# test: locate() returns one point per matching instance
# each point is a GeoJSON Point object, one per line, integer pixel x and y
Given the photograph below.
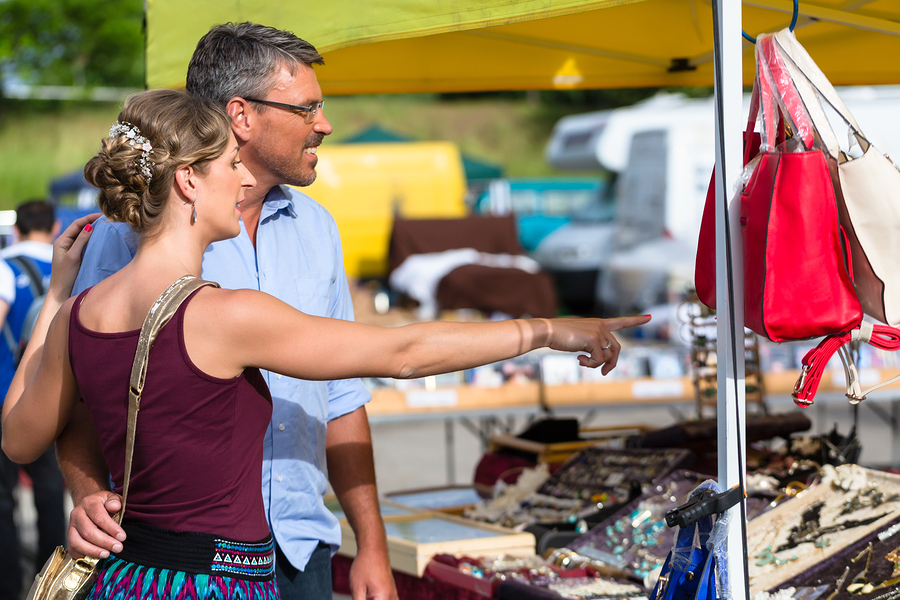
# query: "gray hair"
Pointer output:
{"type": "Point", "coordinates": [242, 59]}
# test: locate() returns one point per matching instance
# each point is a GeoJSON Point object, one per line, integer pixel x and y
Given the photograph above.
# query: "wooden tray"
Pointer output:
{"type": "Point", "coordinates": [414, 539]}
{"type": "Point", "coordinates": [450, 499]}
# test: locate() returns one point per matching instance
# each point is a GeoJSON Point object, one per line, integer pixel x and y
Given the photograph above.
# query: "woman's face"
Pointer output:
{"type": "Point", "coordinates": [219, 202]}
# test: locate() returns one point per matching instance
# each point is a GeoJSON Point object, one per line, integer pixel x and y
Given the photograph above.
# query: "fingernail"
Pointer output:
{"type": "Point", "coordinates": [88, 227]}
{"type": "Point", "coordinates": [121, 536]}
{"type": "Point", "coordinates": [117, 547]}
{"type": "Point", "coordinates": [645, 315]}
{"type": "Point", "coordinates": [104, 554]}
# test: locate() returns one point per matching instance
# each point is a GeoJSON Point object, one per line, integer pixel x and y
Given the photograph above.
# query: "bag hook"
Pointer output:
{"type": "Point", "coordinates": [793, 24]}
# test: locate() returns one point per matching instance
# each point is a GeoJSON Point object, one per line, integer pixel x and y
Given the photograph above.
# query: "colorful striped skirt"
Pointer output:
{"type": "Point", "coordinates": [121, 580]}
{"type": "Point", "coordinates": [158, 564]}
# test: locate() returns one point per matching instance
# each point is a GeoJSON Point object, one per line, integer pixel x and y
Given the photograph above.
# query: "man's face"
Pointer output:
{"type": "Point", "coordinates": [284, 147]}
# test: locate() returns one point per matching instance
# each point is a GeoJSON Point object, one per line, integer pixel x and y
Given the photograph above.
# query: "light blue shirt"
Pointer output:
{"type": "Point", "coordinates": [298, 259]}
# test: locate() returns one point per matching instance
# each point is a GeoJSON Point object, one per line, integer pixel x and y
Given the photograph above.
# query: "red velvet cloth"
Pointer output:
{"type": "Point", "coordinates": [512, 291]}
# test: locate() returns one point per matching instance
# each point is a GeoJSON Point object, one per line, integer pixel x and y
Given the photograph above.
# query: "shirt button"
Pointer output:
{"type": "Point", "coordinates": [277, 375]}
{"type": "Point", "coordinates": [275, 526]}
{"type": "Point", "coordinates": [279, 478]}
{"type": "Point", "coordinates": [281, 427]}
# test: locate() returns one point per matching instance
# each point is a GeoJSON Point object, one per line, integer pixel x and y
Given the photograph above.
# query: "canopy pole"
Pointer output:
{"type": "Point", "coordinates": [729, 289]}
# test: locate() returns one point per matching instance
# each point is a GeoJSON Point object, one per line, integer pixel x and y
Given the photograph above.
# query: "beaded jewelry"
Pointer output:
{"type": "Point", "coordinates": [583, 588]}
{"type": "Point", "coordinates": [892, 595]}
{"type": "Point", "coordinates": [137, 141]}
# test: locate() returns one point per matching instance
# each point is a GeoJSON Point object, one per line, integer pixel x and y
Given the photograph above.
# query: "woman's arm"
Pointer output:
{"type": "Point", "coordinates": [248, 328]}
{"type": "Point", "coordinates": [33, 415]}
{"type": "Point", "coordinates": [51, 391]}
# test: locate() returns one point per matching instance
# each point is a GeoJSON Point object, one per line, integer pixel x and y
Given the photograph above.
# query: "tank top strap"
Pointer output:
{"type": "Point", "coordinates": [178, 317]}
{"type": "Point", "coordinates": [73, 317]}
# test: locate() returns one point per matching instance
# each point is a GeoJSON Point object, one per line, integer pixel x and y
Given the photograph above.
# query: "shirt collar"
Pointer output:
{"type": "Point", "coordinates": [277, 200]}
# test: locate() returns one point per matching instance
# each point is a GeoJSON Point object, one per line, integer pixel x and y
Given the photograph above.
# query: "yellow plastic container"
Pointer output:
{"type": "Point", "coordinates": [365, 185]}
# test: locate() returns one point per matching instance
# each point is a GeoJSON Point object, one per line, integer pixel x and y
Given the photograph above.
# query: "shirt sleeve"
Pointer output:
{"type": "Point", "coordinates": [344, 395]}
{"type": "Point", "coordinates": [7, 283]}
{"type": "Point", "coordinates": [111, 247]}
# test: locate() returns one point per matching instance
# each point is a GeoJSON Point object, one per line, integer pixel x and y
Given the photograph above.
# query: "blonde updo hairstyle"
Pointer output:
{"type": "Point", "coordinates": [183, 130]}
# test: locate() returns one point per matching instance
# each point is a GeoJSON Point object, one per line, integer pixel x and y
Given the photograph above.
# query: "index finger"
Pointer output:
{"type": "Point", "coordinates": [623, 322]}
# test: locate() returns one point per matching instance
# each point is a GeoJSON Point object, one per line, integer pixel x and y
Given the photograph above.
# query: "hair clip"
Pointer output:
{"type": "Point", "coordinates": [138, 141]}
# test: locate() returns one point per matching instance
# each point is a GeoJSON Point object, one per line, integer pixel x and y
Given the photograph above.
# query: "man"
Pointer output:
{"type": "Point", "coordinates": [289, 247]}
{"type": "Point", "coordinates": [23, 277]}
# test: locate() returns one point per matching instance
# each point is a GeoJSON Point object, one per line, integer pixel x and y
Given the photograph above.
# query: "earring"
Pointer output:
{"type": "Point", "coordinates": [193, 211]}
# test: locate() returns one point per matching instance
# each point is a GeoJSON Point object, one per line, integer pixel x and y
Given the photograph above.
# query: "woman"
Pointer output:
{"type": "Point", "coordinates": [171, 169]}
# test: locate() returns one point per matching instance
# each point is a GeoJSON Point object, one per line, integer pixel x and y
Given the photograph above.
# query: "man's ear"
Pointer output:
{"type": "Point", "coordinates": [186, 180]}
{"type": "Point", "coordinates": [57, 226]}
{"type": "Point", "coordinates": [241, 116]}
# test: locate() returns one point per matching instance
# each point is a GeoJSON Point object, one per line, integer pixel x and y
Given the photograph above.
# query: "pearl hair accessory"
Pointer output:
{"type": "Point", "coordinates": [138, 141]}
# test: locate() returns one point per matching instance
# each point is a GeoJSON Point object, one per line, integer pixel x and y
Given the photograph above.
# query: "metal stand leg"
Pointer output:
{"type": "Point", "coordinates": [451, 450]}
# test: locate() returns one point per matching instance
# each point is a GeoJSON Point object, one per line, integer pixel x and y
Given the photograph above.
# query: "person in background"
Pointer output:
{"type": "Point", "coordinates": [24, 273]}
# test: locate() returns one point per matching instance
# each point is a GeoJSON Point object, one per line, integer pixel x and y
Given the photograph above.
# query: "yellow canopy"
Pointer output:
{"type": "Point", "coordinates": [458, 45]}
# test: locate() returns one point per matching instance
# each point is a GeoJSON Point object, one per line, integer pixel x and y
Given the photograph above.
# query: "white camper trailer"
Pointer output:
{"type": "Point", "coordinates": [663, 151]}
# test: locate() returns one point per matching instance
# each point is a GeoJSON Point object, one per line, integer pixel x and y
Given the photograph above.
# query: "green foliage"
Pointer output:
{"type": "Point", "coordinates": [74, 42]}
{"type": "Point", "coordinates": [43, 140]}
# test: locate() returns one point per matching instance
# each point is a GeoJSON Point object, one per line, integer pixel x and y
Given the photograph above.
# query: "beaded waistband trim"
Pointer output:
{"type": "Point", "coordinates": [199, 553]}
{"type": "Point", "coordinates": [243, 558]}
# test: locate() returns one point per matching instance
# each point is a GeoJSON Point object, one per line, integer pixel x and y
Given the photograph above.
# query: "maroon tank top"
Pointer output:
{"type": "Point", "coordinates": [198, 449]}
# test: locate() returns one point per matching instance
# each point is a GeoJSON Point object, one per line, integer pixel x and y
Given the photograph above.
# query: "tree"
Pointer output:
{"type": "Point", "coordinates": [73, 42]}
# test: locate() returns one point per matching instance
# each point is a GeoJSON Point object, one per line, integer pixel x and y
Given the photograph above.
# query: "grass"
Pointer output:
{"type": "Point", "coordinates": [39, 142]}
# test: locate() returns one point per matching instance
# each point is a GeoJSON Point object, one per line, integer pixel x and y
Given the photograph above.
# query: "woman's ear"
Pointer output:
{"type": "Point", "coordinates": [186, 181]}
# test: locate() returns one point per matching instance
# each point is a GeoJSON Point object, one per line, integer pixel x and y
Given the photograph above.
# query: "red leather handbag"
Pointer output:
{"type": "Point", "coordinates": [796, 282]}
{"type": "Point", "coordinates": [705, 265]}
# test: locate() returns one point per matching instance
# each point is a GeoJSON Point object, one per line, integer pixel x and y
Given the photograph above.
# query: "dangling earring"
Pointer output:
{"type": "Point", "coordinates": [193, 211]}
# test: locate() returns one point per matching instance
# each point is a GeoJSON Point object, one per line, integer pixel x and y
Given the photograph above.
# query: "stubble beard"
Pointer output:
{"type": "Point", "coordinates": [290, 170]}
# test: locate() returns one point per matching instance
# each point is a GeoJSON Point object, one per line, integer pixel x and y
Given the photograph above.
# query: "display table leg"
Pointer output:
{"type": "Point", "coordinates": [450, 446]}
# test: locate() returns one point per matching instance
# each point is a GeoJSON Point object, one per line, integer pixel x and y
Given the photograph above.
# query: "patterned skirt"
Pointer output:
{"type": "Point", "coordinates": [160, 564]}
{"type": "Point", "coordinates": [121, 580]}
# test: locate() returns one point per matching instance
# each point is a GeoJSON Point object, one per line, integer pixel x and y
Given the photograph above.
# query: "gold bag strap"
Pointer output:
{"type": "Point", "coordinates": [160, 313]}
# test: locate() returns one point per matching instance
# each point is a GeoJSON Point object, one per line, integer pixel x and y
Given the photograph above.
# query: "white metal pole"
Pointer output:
{"type": "Point", "coordinates": [729, 278]}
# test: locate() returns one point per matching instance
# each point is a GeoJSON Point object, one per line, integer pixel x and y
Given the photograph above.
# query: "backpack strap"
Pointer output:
{"type": "Point", "coordinates": [27, 267]}
{"type": "Point", "coordinates": [10, 340]}
{"type": "Point", "coordinates": [30, 268]}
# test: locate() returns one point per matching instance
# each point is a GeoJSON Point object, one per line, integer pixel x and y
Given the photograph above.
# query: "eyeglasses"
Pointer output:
{"type": "Point", "coordinates": [309, 112]}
